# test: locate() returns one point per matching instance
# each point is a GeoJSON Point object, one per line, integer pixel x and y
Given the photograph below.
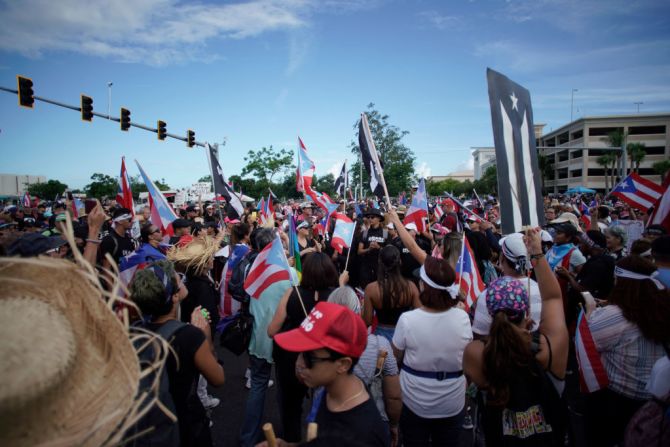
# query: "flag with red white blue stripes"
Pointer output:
{"type": "Point", "coordinates": [592, 373]}
{"type": "Point", "coordinates": [467, 275]}
{"type": "Point", "coordinates": [269, 267]}
{"type": "Point", "coordinates": [638, 192]}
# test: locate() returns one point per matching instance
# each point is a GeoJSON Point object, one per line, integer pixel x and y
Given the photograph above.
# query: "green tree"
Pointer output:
{"type": "Point", "coordinates": [544, 163]}
{"type": "Point", "coordinates": [606, 161]}
{"type": "Point", "coordinates": [206, 178]}
{"type": "Point", "coordinates": [48, 190]}
{"type": "Point", "coordinates": [325, 184]}
{"type": "Point", "coordinates": [397, 158]}
{"type": "Point", "coordinates": [137, 185]}
{"type": "Point", "coordinates": [661, 168]}
{"type": "Point", "coordinates": [102, 185]}
{"type": "Point", "coordinates": [615, 139]}
{"type": "Point", "coordinates": [488, 183]}
{"type": "Point", "coordinates": [636, 153]}
{"type": "Point", "coordinates": [449, 185]}
{"type": "Point", "coordinates": [267, 162]}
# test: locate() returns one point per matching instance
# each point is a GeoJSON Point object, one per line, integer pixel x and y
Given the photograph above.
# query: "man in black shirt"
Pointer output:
{"type": "Point", "coordinates": [117, 243]}
{"type": "Point", "coordinates": [330, 341]}
{"type": "Point", "coordinates": [181, 228]}
{"type": "Point", "coordinates": [372, 240]}
{"type": "Point", "coordinates": [409, 264]}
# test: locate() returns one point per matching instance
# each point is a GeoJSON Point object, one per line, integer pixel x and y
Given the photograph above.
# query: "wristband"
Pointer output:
{"type": "Point", "coordinates": [93, 241]}
{"type": "Point", "coordinates": [537, 256]}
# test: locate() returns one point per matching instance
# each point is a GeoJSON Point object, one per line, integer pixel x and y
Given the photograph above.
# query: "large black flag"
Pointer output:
{"type": "Point", "coordinates": [371, 161]}
{"type": "Point", "coordinates": [341, 181]}
{"type": "Point", "coordinates": [221, 186]}
{"type": "Point", "coordinates": [519, 182]}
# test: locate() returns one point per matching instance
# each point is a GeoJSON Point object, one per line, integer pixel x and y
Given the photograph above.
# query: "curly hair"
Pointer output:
{"type": "Point", "coordinates": [148, 292]}
{"type": "Point", "coordinates": [641, 302]}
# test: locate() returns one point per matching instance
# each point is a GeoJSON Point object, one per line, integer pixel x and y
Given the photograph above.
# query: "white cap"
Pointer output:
{"type": "Point", "coordinates": [390, 226]}
{"type": "Point", "coordinates": [411, 226]}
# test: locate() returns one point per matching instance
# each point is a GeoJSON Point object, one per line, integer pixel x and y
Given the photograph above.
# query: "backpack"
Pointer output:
{"type": "Point", "coordinates": [240, 272]}
{"type": "Point", "coordinates": [161, 429]}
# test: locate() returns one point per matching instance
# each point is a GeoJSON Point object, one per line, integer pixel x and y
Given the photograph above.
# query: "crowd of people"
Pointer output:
{"type": "Point", "coordinates": [379, 340]}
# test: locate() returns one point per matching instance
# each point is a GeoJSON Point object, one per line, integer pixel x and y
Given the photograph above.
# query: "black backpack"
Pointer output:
{"type": "Point", "coordinates": [240, 272]}
{"type": "Point", "coordinates": [156, 427]}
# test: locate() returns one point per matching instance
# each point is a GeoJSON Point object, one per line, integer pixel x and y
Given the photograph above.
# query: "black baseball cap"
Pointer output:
{"type": "Point", "coordinates": [181, 223]}
{"type": "Point", "coordinates": [33, 244]}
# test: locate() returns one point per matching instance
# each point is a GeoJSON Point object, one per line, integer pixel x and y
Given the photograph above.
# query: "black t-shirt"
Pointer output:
{"type": "Point", "coordinates": [361, 425]}
{"type": "Point", "coordinates": [117, 246]}
{"type": "Point", "coordinates": [201, 292]}
{"type": "Point", "coordinates": [183, 381]}
{"type": "Point", "coordinates": [369, 260]}
{"type": "Point", "coordinates": [409, 263]}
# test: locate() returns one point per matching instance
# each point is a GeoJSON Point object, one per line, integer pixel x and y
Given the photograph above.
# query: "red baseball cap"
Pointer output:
{"type": "Point", "coordinates": [448, 202]}
{"type": "Point", "coordinates": [328, 325]}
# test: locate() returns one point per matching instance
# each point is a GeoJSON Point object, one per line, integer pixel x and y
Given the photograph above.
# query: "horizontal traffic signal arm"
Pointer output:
{"type": "Point", "coordinates": [93, 113]}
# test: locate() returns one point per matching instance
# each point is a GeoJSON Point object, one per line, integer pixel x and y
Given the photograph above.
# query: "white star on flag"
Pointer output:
{"type": "Point", "coordinates": [514, 101]}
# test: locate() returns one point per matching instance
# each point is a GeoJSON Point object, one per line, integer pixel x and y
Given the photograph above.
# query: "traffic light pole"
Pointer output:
{"type": "Point", "coordinates": [103, 116]}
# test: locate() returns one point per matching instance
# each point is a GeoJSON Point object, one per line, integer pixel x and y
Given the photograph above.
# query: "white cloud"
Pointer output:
{"type": "Point", "coordinates": [467, 165]}
{"type": "Point", "coordinates": [335, 169]}
{"type": "Point", "coordinates": [423, 170]}
{"type": "Point", "coordinates": [155, 32]}
{"type": "Point", "coordinates": [441, 21]}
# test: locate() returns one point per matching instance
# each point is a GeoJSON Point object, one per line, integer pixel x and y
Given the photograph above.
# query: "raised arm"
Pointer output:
{"type": "Point", "coordinates": [407, 239]}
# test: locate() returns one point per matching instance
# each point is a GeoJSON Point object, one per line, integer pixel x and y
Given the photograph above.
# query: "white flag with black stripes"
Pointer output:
{"type": "Point", "coordinates": [519, 182]}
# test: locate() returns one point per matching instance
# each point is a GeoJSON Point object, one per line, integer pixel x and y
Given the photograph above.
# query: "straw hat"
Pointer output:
{"type": "Point", "coordinates": [195, 255]}
{"type": "Point", "coordinates": [69, 371]}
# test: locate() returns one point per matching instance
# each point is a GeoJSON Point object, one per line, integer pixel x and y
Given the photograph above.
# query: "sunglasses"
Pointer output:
{"type": "Point", "coordinates": [311, 358]}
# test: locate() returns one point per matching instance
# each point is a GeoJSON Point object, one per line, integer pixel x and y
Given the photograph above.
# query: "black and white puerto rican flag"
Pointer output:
{"type": "Point", "coordinates": [221, 187]}
{"type": "Point", "coordinates": [519, 182]}
{"type": "Point", "coordinates": [341, 181]}
{"type": "Point", "coordinates": [371, 161]}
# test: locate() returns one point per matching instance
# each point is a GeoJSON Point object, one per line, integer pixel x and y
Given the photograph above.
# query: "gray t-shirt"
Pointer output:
{"type": "Point", "coordinates": [365, 368]}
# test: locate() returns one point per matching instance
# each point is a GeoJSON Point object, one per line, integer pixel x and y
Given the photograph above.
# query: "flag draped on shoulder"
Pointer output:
{"type": "Point", "coordinates": [592, 374]}
{"type": "Point", "coordinates": [418, 210]}
{"type": "Point", "coordinates": [371, 162]}
{"type": "Point", "coordinates": [162, 214]}
{"type": "Point", "coordinates": [124, 195]}
{"type": "Point", "coordinates": [519, 180]}
{"type": "Point", "coordinates": [343, 233]}
{"type": "Point", "coordinates": [638, 192]}
{"type": "Point", "coordinates": [222, 187]}
{"type": "Point", "coordinates": [468, 278]}
{"type": "Point", "coordinates": [269, 267]}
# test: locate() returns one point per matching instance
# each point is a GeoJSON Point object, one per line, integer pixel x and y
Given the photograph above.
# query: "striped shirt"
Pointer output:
{"type": "Point", "coordinates": [626, 354]}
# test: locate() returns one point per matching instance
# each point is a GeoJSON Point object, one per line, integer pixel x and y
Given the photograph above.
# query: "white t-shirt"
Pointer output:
{"type": "Point", "coordinates": [433, 342]}
{"type": "Point", "coordinates": [483, 319]}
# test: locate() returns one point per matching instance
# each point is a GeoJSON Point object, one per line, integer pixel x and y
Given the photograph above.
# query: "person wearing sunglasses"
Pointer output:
{"type": "Point", "coordinates": [330, 341]}
{"type": "Point", "coordinates": [151, 249]}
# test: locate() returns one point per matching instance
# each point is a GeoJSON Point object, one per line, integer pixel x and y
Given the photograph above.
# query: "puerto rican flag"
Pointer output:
{"type": "Point", "coordinates": [661, 213]}
{"type": "Point", "coordinates": [343, 234]}
{"type": "Point", "coordinates": [269, 267]}
{"type": "Point", "coordinates": [638, 192]}
{"type": "Point", "coordinates": [586, 214]}
{"type": "Point", "coordinates": [592, 374]}
{"type": "Point", "coordinates": [306, 168]}
{"type": "Point", "coordinates": [162, 214]}
{"type": "Point", "coordinates": [467, 275]}
{"type": "Point", "coordinates": [418, 210]}
{"type": "Point", "coordinates": [124, 195]}
{"type": "Point", "coordinates": [25, 201]}
{"type": "Point", "coordinates": [438, 212]}
{"type": "Point", "coordinates": [227, 305]}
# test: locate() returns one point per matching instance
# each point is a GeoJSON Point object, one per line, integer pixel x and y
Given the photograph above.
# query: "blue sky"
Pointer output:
{"type": "Point", "coordinates": [260, 73]}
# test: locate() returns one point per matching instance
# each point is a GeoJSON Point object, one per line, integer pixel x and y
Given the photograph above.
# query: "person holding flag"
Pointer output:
{"type": "Point", "coordinates": [372, 240]}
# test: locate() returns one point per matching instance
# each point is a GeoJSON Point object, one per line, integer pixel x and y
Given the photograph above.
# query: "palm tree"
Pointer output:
{"type": "Point", "coordinates": [636, 153]}
{"type": "Point", "coordinates": [605, 161]}
{"type": "Point", "coordinates": [544, 164]}
{"type": "Point", "coordinates": [662, 168]}
{"type": "Point", "coordinates": [615, 139]}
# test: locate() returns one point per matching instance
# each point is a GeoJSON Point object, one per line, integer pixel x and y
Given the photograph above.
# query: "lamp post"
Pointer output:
{"type": "Point", "coordinates": [109, 100]}
{"type": "Point", "coordinates": [572, 102]}
{"type": "Point", "coordinates": [638, 105]}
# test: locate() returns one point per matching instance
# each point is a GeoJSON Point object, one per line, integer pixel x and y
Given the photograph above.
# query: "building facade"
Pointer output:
{"type": "Point", "coordinates": [483, 158]}
{"type": "Point", "coordinates": [573, 150]}
{"type": "Point", "coordinates": [15, 185]}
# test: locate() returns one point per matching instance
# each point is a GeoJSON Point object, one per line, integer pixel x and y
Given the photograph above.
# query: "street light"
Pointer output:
{"type": "Point", "coordinates": [638, 105]}
{"type": "Point", "coordinates": [109, 100]}
{"type": "Point", "coordinates": [572, 102]}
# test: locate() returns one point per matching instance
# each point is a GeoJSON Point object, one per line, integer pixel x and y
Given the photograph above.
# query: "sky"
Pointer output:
{"type": "Point", "coordinates": [260, 73]}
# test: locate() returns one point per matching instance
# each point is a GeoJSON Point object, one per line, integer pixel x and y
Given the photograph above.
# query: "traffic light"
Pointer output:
{"type": "Point", "coordinates": [190, 138]}
{"type": "Point", "coordinates": [86, 108]}
{"type": "Point", "coordinates": [161, 131]}
{"type": "Point", "coordinates": [25, 89]}
{"type": "Point", "coordinates": [125, 119]}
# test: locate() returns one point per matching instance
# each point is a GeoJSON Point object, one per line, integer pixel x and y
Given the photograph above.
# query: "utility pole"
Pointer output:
{"type": "Point", "coordinates": [638, 105]}
{"type": "Point", "coordinates": [572, 102]}
{"type": "Point", "coordinates": [109, 99]}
